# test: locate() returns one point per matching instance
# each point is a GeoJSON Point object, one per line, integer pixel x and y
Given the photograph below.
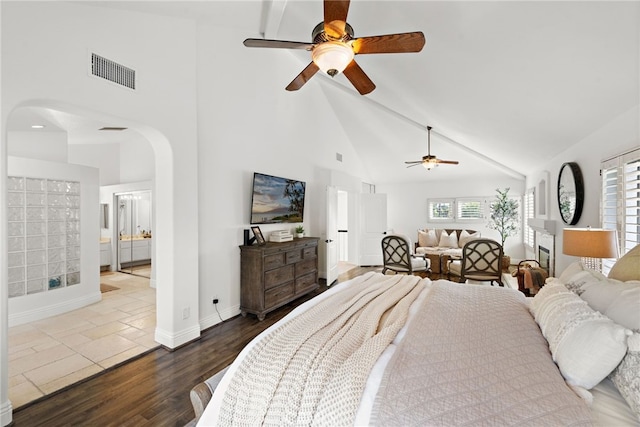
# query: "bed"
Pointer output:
{"type": "Point", "coordinates": [402, 350]}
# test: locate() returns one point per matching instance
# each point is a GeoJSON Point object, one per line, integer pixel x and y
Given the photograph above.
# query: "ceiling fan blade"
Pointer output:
{"type": "Point", "coordinates": [415, 164]}
{"type": "Point", "coordinates": [303, 77]}
{"type": "Point", "coordinates": [335, 17]}
{"type": "Point", "coordinates": [358, 78]}
{"type": "Point", "coordinates": [390, 43]}
{"type": "Point", "coordinates": [448, 162]}
{"type": "Point", "coordinates": [282, 44]}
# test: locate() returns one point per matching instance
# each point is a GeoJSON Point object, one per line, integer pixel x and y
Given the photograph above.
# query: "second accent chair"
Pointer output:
{"type": "Point", "coordinates": [481, 261]}
{"type": "Point", "coordinates": [397, 256]}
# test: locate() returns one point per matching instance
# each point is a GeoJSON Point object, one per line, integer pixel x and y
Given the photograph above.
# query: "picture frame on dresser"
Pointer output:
{"type": "Point", "coordinates": [258, 233]}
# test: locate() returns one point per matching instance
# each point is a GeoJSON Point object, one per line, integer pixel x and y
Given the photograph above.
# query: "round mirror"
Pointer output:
{"type": "Point", "coordinates": [570, 193]}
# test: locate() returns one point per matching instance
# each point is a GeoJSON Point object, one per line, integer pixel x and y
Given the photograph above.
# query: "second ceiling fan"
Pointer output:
{"type": "Point", "coordinates": [429, 162]}
{"type": "Point", "coordinates": [334, 47]}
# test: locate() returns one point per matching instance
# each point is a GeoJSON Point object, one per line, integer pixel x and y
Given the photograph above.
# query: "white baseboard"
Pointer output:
{"type": "Point", "coordinates": [53, 310]}
{"type": "Point", "coordinates": [175, 340]}
{"type": "Point", "coordinates": [214, 319]}
{"type": "Point", "coordinates": [6, 413]}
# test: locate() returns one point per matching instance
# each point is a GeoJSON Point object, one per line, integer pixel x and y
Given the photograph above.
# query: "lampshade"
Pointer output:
{"type": "Point", "coordinates": [332, 57]}
{"type": "Point", "coordinates": [590, 243]}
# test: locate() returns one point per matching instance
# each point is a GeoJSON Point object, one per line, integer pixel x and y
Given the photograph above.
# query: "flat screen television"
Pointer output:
{"type": "Point", "coordinates": [276, 200]}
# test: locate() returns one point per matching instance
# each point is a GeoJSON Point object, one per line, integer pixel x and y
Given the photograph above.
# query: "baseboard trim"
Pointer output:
{"type": "Point", "coordinates": [53, 310]}
{"type": "Point", "coordinates": [175, 340]}
{"type": "Point", "coordinates": [6, 413]}
{"type": "Point", "coordinates": [214, 319]}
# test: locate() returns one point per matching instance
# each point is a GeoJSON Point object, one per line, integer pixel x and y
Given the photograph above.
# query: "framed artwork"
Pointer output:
{"type": "Point", "coordinates": [258, 234]}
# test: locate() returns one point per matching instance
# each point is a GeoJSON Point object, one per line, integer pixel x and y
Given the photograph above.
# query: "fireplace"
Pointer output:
{"type": "Point", "coordinates": [544, 256]}
{"type": "Point", "coordinates": [544, 251]}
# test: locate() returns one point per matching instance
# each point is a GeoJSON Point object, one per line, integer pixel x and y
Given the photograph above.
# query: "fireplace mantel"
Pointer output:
{"type": "Point", "coordinates": [545, 226]}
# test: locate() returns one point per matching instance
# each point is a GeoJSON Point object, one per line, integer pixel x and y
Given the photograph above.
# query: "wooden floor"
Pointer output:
{"type": "Point", "coordinates": [153, 390]}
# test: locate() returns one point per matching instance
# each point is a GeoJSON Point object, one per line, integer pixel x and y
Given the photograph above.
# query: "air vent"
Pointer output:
{"type": "Point", "coordinates": [112, 71]}
{"type": "Point", "coordinates": [339, 157]}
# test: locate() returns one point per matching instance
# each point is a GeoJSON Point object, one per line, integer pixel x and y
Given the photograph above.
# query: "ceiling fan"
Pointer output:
{"type": "Point", "coordinates": [334, 47]}
{"type": "Point", "coordinates": [429, 162]}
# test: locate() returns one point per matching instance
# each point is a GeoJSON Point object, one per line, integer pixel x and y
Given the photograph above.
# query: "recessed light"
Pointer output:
{"type": "Point", "coordinates": [37, 126]}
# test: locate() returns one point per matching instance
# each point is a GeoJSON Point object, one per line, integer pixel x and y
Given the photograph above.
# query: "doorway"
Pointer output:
{"type": "Point", "coordinates": [134, 225]}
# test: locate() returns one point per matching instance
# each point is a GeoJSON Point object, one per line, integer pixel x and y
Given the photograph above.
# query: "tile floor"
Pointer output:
{"type": "Point", "coordinates": [50, 354]}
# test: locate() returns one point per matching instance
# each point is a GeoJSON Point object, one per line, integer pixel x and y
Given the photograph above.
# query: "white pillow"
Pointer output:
{"type": "Point", "coordinates": [625, 308]}
{"type": "Point", "coordinates": [466, 237]}
{"type": "Point", "coordinates": [626, 377]}
{"type": "Point", "coordinates": [448, 240]}
{"type": "Point", "coordinates": [576, 282]}
{"type": "Point", "coordinates": [573, 268]}
{"type": "Point", "coordinates": [427, 238]}
{"type": "Point", "coordinates": [586, 345]}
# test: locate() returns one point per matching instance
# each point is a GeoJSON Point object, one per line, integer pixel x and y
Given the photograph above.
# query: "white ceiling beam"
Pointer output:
{"type": "Point", "coordinates": [504, 168]}
{"type": "Point", "coordinates": [272, 12]}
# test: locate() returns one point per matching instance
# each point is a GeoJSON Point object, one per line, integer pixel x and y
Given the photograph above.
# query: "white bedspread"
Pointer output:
{"type": "Point", "coordinates": [363, 416]}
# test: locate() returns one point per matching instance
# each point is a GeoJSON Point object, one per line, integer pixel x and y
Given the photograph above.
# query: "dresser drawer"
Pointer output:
{"type": "Point", "coordinates": [294, 256]}
{"type": "Point", "coordinates": [306, 266]}
{"type": "Point", "coordinates": [278, 276]}
{"type": "Point", "coordinates": [273, 261]}
{"type": "Point", "coordinates": [275, 296]}
{"type": "Point", "coordinates": [308, 253]}
{"type": "Point", "coordinates": [305, 282]}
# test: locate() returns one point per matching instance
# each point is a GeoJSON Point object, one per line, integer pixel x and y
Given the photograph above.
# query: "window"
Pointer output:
{"type": "Point", "coordinates": [620, 201]}
{"type": "Point", "coordinates": [470, 209]}
{"type": "Point", "coordinates": [441, 209]}
{"type": "Point", "coordinates": [528, 210]}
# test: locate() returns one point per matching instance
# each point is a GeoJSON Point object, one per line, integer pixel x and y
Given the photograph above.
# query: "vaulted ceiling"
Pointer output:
{"type": "Point", "coordinates": [506, 85]}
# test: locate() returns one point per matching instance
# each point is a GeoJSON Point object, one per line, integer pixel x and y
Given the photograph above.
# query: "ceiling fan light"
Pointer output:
{"type": "Point", "coordinates": [332, 57]}
{"type": "Point", "coordinates": [428, 165]}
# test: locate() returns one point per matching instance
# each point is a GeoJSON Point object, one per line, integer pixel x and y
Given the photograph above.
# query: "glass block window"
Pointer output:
{"type": "Point", "coordinates": [44, 234]}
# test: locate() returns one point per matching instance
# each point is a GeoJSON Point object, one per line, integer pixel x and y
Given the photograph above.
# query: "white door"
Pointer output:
{"type": "Point", "coordinates": [331, 241]}
{"type": "Point", "coordinates": [373, 220]}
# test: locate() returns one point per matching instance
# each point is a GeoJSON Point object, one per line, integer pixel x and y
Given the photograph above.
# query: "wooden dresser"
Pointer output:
{"type": "Point", "coordinates": [276, 273]}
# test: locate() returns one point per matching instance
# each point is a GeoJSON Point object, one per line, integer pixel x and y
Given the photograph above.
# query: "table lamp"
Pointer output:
{"type": "Point", "coordinates": [590, 244]}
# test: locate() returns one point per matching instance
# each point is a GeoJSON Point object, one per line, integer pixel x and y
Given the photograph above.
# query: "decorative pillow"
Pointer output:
{"type": "Point", "coordinates": [568, 272]}
{"type": "Point", "coordinates": [466, 237]}
{"type": "Point", "coordinates": [625, 308]}
{"type": "Point", "coordinates": [576, 282]}
{"type": "Point", "coordinates": [427, 238]}
{"type": "Point", "coordinates": [586, 345]}
{"type": "Point", "coordinates": [627, 268]}
{"type": "Point", "coordinates": [448, 240]}
{"type": "Point", "coordinates": [626, 377]}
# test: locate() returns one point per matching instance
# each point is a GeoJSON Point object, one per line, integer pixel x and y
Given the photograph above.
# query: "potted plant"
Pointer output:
{"type": "Point", "coordinates": [299, 231]}
{"type": "Point", "coordinates": [504, 219]}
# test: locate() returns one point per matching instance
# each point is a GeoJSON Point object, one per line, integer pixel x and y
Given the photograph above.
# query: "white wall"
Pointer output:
{"type": "Point", "coordinates": [38, 145]}
{"type": "Point", "coordinates": [38, 306]}
{"type": "Point", "coordinates": [59, 37]}
{"type": "Point", "coordinates": [105, 157]}
{"type": "Point", "coordinates": [408, 212]}
{"type": "Point", "coordinates": [288, 134]}
{"type": "Point", "coordinates": [137, 161]}
{"type": "Point", "coordinates": [618, 136]}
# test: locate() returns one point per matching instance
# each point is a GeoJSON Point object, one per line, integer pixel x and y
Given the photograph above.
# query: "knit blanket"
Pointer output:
{"type": "Point", "coordinates": [312, 369]}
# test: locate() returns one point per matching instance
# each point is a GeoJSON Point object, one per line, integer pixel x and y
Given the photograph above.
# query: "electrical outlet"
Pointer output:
{"type": "Point", "coordinates": [215, 300]}
{"type": "Point", "coordinates": [186, 313]}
